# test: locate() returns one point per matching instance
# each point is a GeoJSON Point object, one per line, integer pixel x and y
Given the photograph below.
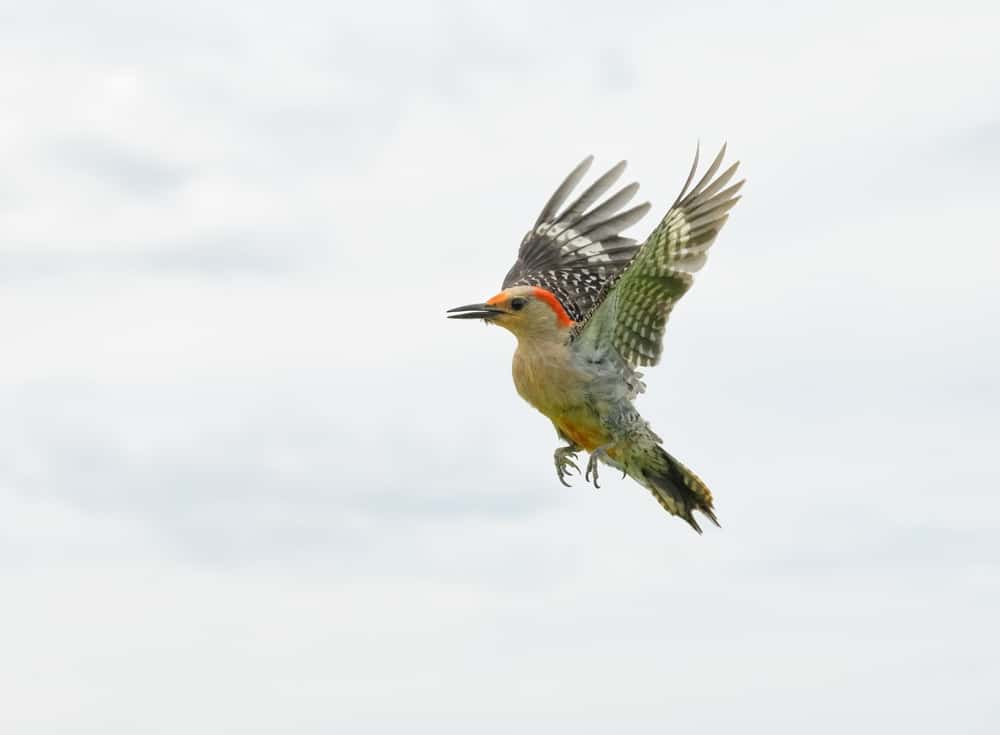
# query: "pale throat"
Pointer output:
{"type": "Point", "coordinates": [542, 333]}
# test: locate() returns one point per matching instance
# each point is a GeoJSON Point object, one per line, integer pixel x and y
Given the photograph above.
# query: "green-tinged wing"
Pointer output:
{"type": "Point", "coordinates": [632, 314]}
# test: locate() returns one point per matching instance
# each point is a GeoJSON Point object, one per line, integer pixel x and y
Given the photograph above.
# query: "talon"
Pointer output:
{"type": "Point", "coordinates": [598, 454]}
{"type": "Point", "coordinates": [592, 469]}
{"type": "Point", "coordinates": [564, 464]}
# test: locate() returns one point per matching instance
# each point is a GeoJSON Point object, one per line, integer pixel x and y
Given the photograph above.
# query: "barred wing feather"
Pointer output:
{"type": "Point", "coordinates": [574, 251]}
{"type": "Point", "coordinates": [630, 314]}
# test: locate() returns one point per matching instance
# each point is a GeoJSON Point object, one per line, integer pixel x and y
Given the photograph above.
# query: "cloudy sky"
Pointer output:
{"type": "Point", "coordinates": [252, 481]}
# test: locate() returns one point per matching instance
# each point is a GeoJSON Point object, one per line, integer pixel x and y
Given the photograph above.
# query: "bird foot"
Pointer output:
{"type": "Point", "coordinates": [564, 457]}
{"type": "Point", "coordinates": [600, 453]}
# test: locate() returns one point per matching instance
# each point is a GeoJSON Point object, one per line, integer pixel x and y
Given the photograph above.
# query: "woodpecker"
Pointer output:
{"type": "Point", "coordinates": [589, 306]}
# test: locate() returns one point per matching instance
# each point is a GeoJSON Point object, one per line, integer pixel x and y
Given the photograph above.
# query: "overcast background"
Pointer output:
{"type": "Point", "coordinates": [252, 481]}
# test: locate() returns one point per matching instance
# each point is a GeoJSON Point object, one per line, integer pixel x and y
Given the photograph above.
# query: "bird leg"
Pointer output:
{"type": "Point", "coordinates": [600, 453]}
{"type": "Point", "coordinates": [564, 457]}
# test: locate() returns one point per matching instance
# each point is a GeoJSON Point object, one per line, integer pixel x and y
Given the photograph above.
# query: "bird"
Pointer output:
{"type": "Point", "coordinates": [589, 307]}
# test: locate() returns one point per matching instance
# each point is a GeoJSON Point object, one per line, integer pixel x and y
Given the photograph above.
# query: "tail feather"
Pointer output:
{"type": "Point", "coordinates": [679, 490]}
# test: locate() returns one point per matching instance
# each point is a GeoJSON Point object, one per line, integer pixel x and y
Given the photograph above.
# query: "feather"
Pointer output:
{"type": "Point", "coordinates": [630, 314]}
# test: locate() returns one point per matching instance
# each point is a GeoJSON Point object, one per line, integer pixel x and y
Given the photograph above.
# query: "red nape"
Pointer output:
{"type": "Point", "coordinates": [550, 298]}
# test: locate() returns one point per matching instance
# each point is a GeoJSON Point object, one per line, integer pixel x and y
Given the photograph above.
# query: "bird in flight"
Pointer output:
{"type": "Point", "coordinates": [589, 306]}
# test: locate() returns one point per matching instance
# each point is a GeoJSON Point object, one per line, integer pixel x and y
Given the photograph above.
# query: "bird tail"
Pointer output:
{"type": "Point", "coordinates": [679, 490]}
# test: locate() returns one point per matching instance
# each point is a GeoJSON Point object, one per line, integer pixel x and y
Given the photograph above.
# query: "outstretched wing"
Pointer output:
{"type": "Point", "coordinates": [575, 251]}
{"type": "Point", "coordinates": [631, 313]}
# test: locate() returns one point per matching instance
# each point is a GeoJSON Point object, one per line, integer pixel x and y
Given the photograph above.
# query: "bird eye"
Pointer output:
{"type": "Point", "coordinates": [518, 303]}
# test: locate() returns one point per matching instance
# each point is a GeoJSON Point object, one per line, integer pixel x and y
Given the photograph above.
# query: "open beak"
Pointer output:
{"type": "Point", "coordinates": [475, 311]}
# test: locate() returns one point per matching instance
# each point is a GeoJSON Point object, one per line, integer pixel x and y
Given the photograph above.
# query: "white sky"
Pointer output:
{"type": "Point", "coordinates": [252, 481]}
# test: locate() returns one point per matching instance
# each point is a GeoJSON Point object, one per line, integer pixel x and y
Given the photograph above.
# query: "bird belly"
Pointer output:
{"type": "Point", "coordinates": [551, 384]}
{"type": "Point", "coordinates": [584, 431]}
{"type": "Point", "coordinates": [556, 386]}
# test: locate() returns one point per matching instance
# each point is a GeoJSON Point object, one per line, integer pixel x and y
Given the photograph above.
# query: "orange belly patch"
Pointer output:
{"type": "Point", "coordinates": [588, 436]}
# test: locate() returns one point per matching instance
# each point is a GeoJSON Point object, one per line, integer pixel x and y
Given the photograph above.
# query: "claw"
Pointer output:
{"type": "Point", "coordinates": [564, 464]}
{"type": "Point", "coordinates": [592, 468]}
{"type": "Point", "coordinates": [596, 455]}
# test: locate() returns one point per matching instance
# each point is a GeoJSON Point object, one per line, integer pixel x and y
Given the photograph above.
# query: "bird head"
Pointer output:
{"type": "Point", "coordinates": [524, 310]}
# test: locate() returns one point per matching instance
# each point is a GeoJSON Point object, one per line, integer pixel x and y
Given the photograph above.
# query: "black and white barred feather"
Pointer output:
{"type": "Point", "coordinates": [574, 252]}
